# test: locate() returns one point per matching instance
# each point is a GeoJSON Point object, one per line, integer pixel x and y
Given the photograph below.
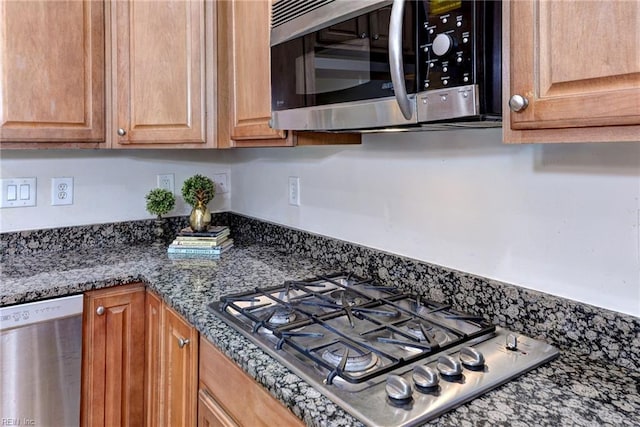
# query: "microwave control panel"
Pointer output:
{"type": "Point", "coordinates": [447, 43]}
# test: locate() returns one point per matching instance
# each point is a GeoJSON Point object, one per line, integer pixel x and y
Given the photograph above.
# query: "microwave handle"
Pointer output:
{"type": "Point", "coordinates": [395, 58]}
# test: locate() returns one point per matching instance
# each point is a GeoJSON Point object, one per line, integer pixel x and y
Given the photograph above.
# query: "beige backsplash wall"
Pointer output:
{"type": "Point", "coordinates": [110, 185]}
{"type": "Point", "coordinates": [562, 219]}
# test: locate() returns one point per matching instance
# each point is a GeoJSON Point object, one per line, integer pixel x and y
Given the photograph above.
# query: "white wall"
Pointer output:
{"type": "Point", "coordinates": [109, 185]}
{"type": "Point", "coordinates": [562, 219]}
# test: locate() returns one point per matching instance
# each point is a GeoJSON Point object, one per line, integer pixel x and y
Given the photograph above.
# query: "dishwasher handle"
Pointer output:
{"type": "Point", "coordinates": [20, 315]}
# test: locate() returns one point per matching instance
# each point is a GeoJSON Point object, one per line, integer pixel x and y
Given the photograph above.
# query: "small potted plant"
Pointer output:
{"type": "Point", "coordinates": [159, 202]}
{"type": "Point", "coordinates": [198, 191]}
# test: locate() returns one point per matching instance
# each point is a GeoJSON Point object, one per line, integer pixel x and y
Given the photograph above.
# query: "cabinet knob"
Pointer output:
{"type": "Point", "coordinates": [100, 311]}
{"type": "Point", "coordinates": [182, 342]}
{"type": "Point", "coordinates": [122, 132]}
{"type": "Point", "coordinates": [518, 103]}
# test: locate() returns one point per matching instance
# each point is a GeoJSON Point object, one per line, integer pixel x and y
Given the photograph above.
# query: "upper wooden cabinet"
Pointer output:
{"type": "Point", "coordinates": [161, 57]}
{"type": "Point", "coordinates": [578, 66]}
{"type": "Point", "coordinates": [244, 81]}
{"type": "Point", "coordinates": [52, 73]}
{"type": "Point", "coordinates": [244, 77]}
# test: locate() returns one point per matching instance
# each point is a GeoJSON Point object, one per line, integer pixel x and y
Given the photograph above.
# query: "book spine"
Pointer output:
{"type": "Point", "coordinates": [196, 243]}
{"type": "Point", "coordinates": [193, 256]}
{"type": "Point", "coordinates": [203, 234]}
{"type": "Point", "coordinates": [187, 250]}
{"type": "Point", "coordinates": [201, 239]}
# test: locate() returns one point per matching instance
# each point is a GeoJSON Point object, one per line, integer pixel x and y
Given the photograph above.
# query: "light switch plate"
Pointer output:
{"type": "Point", "coordinates": [18, 192]}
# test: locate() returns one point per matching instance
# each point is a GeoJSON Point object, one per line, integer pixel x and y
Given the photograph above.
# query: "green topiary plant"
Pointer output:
{"type": "Point", "coordinates": [160, 201]}
{"type": "Point", "coordinates": [198, 188]}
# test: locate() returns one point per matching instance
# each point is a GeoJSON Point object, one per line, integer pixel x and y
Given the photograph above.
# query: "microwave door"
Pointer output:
{"type": "Point", "coordinates": [339, 77]}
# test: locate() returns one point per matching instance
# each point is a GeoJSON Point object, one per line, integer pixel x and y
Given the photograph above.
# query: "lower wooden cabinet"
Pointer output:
{"type": "Point", "coordinates": [139, 361]}
{"type": "Point", "coordinates": [171, 368]}
{"type": "Point", "coordinates": [229, 397]}
{"type": "Point", "coordinates": [140, 366]}
{"type": "Point", "coordinates": [113, 357]}
{"type": "Point", "coordinates": [210, 414]}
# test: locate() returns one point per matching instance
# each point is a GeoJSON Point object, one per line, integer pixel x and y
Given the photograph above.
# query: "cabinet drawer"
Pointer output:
{"type": "Point", "coordinates": [237, 394]}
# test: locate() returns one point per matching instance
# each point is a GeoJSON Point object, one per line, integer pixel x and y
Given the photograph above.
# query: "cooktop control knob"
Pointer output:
{"type": "Point", "coordinates": [425, 377]}
{"type": "Point", "coordinates": [442, 44]}
{"type": "Point", "coordinates": [449, 367]}
{"type": "Point", "coordinates": [398, 388]}
{"type": "Point", "coordinates": [512, 342]}
{"type": "Point", "coordinates": [470, 357]}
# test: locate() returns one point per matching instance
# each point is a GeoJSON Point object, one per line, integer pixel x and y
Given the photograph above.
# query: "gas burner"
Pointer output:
{"type": "Point", "coordinates": [435, 335]}
{"type": "Point", "coordinates": [355, 362]}
{"type": "Point", "coordinates": [345, 297]}
{"type": "Point", "coordinates": [386, 356]}
{"type": "Point", "coordinates": [282, 316]}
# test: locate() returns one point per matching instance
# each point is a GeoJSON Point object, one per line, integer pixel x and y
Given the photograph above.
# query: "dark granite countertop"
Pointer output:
{"type": "Point", "coordinates": [571, 390]}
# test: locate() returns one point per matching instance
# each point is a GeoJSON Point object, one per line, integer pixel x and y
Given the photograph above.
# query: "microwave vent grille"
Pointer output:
{"type": "Point", "coordinates": [287, 10]}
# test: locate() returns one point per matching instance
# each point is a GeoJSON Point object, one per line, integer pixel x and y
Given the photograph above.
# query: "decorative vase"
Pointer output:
{"type": "Point", "coordinates": [158, 231]}
{"type": "Point", "coordinates": [200, 217]}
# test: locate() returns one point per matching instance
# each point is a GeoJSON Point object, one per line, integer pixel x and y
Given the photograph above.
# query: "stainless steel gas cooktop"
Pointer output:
{"type": "Point", "coordinates": [387, 357]}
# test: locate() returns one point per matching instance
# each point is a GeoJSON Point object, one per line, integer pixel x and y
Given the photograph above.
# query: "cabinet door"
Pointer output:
{"type": "Point", "coordinates": [159, 86]}
{"type": "Point", "coordinates": [179, 371]}
{"type": "Point", "coordinates": [52, 71]}
{"type": "Point", "coordinates": [113, 357]}
{"type": "Point", "coordinates": [210, 414]}
{"type": "Point", "coordinates": [244, 81]}
{"type": "Point", "coordinates": [245, 70]}
{"type": "Point", "coordinates": [153, 351]}
{"type": "Point", "coordinates": [578, 66]}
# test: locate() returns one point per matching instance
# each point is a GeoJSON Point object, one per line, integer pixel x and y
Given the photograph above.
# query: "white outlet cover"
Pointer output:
{"type": "Point", "coordinates": [222, 183]}
{"type": "Point", "coordinates": [294, 191]}
{"type": "Point", "coordinates": [61, 191]}
{"type": "Point", "coordinates": [167, 181]}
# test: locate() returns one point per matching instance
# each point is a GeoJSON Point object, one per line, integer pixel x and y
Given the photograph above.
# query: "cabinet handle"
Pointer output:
{"type": "Point", "coordinates": [100, 311]}
{"type": "Point", "coordinates": [518, 103]}
{"type": "Point", "coordinates": [122, 132]}
{"type": "Point", "coordinates": [182, 342]}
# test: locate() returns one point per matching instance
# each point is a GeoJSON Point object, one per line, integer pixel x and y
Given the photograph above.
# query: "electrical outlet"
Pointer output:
{"type": "Point", "coordinates": [222, 183]}
{"type": "Point", "coordinates": [167, 181]}
{"type": "Point", "coordinates": [62, 191]}
{"type": "Point", "coordinates": [294, 191]}
{"type": "Point", "coordinates": [18, 192]}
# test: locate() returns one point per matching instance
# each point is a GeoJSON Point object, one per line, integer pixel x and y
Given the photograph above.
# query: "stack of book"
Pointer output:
{"type": "Point", "coordinates": [201, 244]}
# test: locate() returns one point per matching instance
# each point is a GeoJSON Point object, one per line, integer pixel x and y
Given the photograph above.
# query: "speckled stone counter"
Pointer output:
{"type": "Point", "coordinates": [575, 389]}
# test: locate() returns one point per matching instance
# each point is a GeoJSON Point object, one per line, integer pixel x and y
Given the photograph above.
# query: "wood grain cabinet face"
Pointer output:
{"type": "Point", "coordinates": [171, 367]}
{"type": "Point", "coordinates": [159, 51]}
{"type": "Point", "coordinates": [52, 71]}
{"type": "Point", "coordinates": [244, 81]}
{"type": "Point", "coordinates": [577, 64]}
{"type": "Point", "coordinates": [244, 71]}
{"type": "Point", "coordinates": [230, 397]}
{"type": "Point", "coordinates": [210, 414]}
{"type": "Point", "coordinates": [113, 357]}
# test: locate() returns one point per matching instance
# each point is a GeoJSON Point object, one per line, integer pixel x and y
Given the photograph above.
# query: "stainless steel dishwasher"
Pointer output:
{"type": "Point", "coordinates": [40, 362]}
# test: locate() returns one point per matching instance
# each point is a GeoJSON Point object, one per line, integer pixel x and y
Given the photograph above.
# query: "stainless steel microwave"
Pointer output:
{"type": "Point", "coordinates": [358, 65]}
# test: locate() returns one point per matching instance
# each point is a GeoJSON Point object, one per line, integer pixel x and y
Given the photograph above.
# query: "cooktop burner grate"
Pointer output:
{"type": "Point", "coordinates": [368, 347]}
{"type": "Point", "coordinates": [365, 317]}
